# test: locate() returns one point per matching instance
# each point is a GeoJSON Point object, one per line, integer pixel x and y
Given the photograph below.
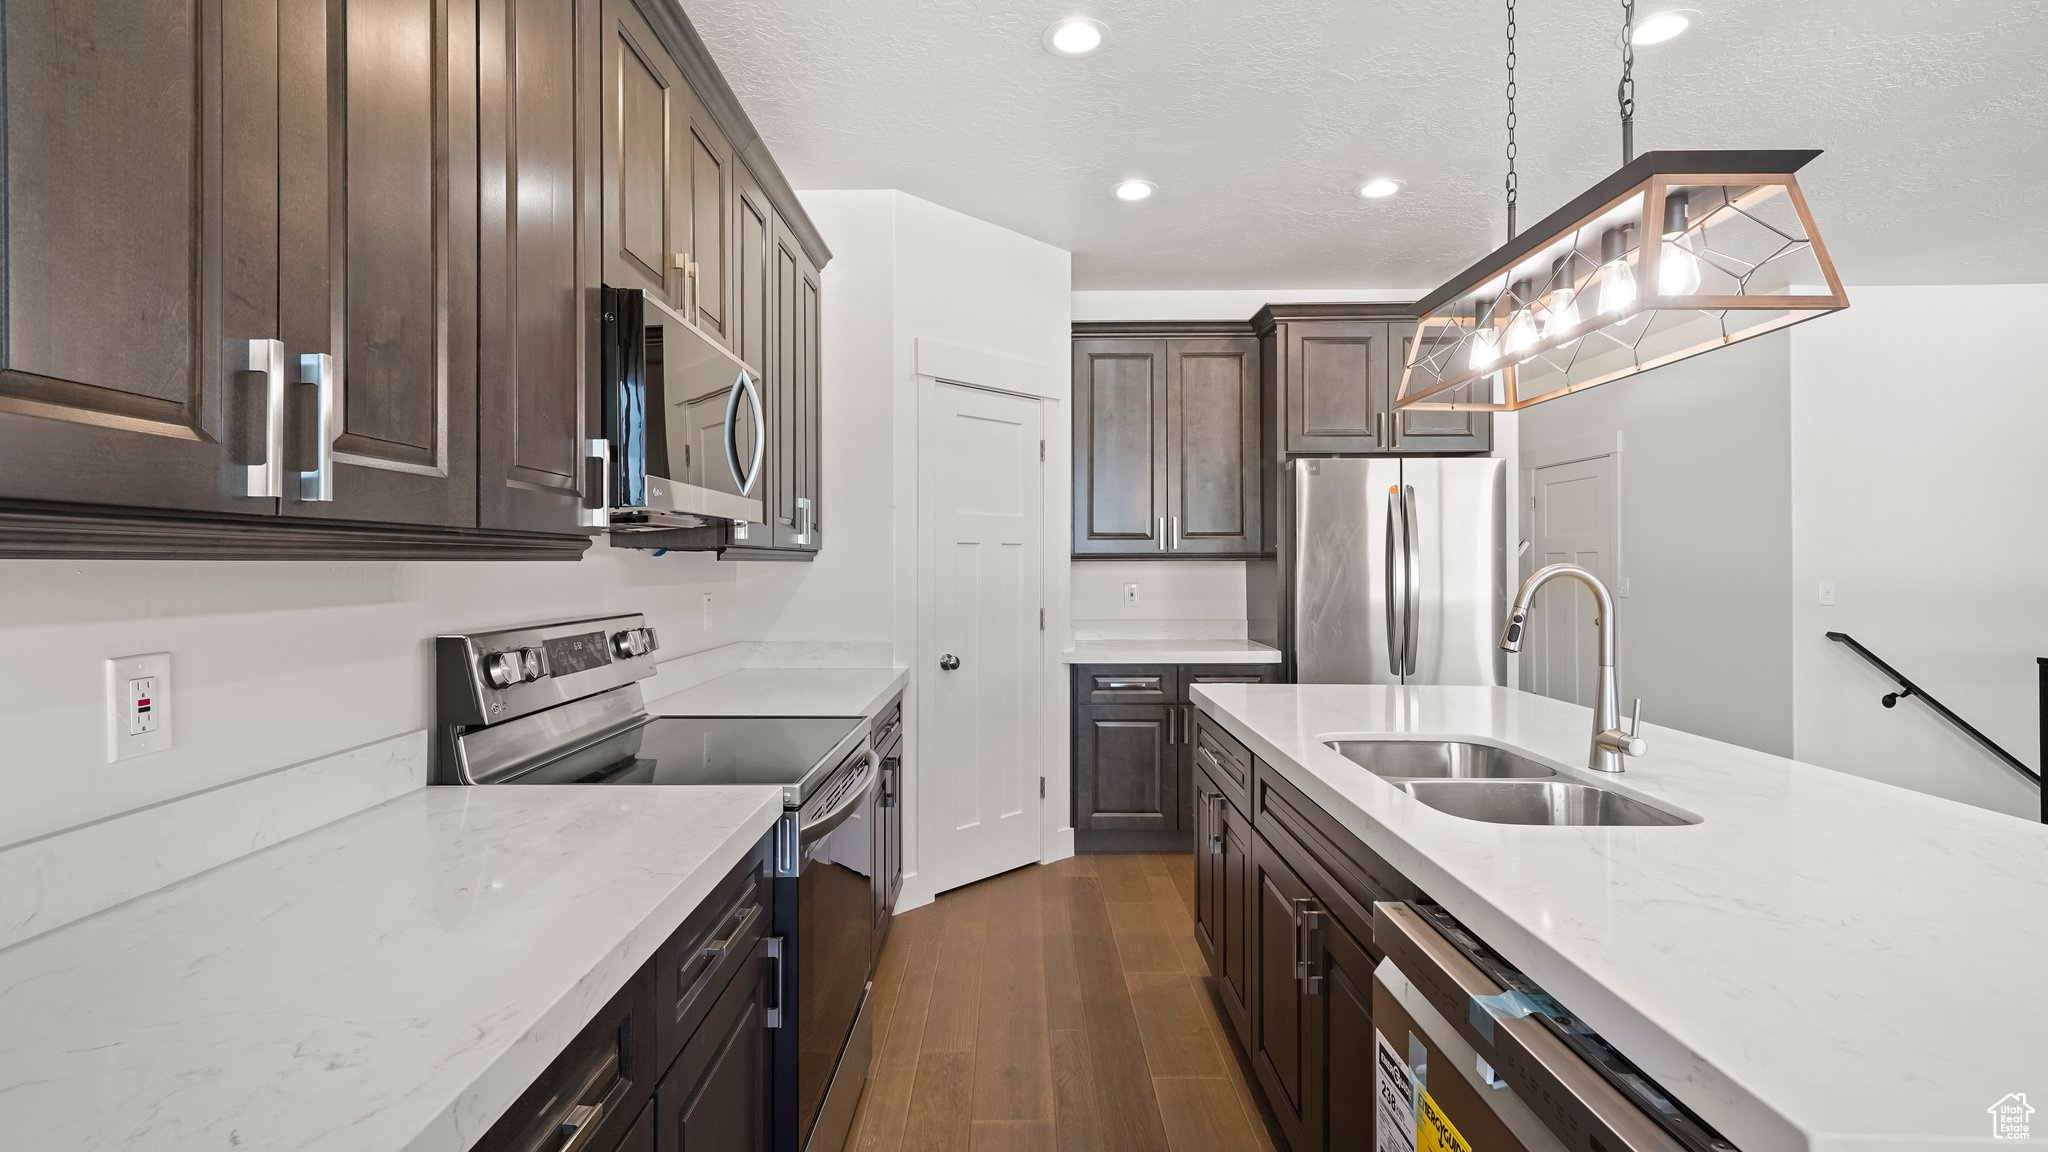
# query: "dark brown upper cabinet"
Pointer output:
{"type": "Point", "coordinates": [706, 216]}
{"type": "Point", "coordinates": [1119, 446]}
{"type": "Point", "coordinates": [645, 174]}
{"type": "Point", "coordinates": [1332, 371]}
{"type": "Point", "coordinates": [539, 64]}
{"type": "Point", "coordinates": [378, 245]}
{"type": "Point", "coordinates": [1166, 446]}
{"type": "Point", "coordinates": [140, 255]}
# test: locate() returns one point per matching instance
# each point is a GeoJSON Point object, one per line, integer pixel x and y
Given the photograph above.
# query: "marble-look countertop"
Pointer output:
{"type": "Point", "coordinates": [1171, 652]}
{"type": "Point", "coordinates": [387, 983]}
{"type": "Point", "coordinates": [787, 692]}
{"type": "Point", "coordinates": [1823, 963]}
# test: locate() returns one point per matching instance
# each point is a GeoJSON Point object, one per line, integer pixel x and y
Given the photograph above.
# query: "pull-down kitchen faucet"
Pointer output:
{"type": "Point", "coordinates": [1610, 743]}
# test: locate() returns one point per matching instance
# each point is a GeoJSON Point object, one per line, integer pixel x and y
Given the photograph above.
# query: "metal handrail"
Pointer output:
{"type": "Point", "coordinates": [1908, 688]}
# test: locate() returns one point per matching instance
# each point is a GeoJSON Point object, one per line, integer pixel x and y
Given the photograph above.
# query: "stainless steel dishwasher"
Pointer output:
{"type": "Point", "coordinates": [1470, 1054]}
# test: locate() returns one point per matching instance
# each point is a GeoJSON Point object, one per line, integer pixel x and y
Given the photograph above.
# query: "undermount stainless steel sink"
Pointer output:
{"type": "Point", "coordinates": [1437, 760]}
{"type": "Point", "coordinates": [1549, 802]}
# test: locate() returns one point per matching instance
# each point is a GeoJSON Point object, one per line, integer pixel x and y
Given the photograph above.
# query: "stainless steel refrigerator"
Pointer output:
{"type": "Point", "coordinates": [1395, 570]}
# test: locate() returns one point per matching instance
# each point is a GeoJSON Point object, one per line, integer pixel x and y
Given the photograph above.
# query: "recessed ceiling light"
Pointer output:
{"type": "Point", "coordinates": [1662, 26]}
{"type": "Point", "coordinates": [1134, 189]}
{"type": "Point", "coordinates": [1379, 189]}
{"type": "Point", "coordinates": [1075, 36]}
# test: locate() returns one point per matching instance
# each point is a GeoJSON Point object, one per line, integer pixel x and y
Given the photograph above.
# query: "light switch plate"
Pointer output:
{"type": "Point", "coordinates": [1621, 588]}
{"type": "Point", "coordinates": [139, 712]}
{"type": "Point", "coordinates": [707, 611]}
{"type": "Point", "coordinates": [1826, 592]}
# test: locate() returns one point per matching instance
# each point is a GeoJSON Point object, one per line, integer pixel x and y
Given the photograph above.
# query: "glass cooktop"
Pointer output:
{"type": "Point", "coordinates": [797, 753]}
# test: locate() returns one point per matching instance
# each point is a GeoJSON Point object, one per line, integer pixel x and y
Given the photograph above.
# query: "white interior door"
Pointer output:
{"type": "Point", "coordinates": [1572, 520]}
{"type": "Point", "coordinates": [983, 753]}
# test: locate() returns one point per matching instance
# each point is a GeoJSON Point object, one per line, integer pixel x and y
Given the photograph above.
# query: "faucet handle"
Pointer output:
{"type": "Point", "coordinates": [1632, 744]}
{"type": "Point", "coordinates": [1635, 718]}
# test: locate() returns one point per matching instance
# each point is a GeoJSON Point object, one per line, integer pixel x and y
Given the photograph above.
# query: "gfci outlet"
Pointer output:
{"type": "Point", "coordinates": [138, 705]}
{"type": "Point", "coordinates": [1130, 595]}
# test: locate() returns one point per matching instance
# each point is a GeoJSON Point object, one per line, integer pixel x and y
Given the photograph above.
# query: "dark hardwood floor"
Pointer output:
{"type": "Point", "coordinates": [1062, 1007]}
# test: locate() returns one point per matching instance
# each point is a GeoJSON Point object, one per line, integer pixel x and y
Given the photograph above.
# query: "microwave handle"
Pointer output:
{"type": "Point", "coordinates": [744, 477]}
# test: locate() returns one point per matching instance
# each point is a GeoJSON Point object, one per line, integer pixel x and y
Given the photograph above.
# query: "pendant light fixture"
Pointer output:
{"type": "Point", "coordinates": [1674, 254]}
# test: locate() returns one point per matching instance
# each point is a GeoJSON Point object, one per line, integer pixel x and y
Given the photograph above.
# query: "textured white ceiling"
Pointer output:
{"type": "Point", "coordinates": [1259, 120]}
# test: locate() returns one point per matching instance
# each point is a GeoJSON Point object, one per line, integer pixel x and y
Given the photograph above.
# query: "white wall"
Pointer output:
{"type": "Point", "coordinates": [277, 663]}
{"type": "Point", "coordinates": [1918, 486]}
{"type": "Point", "coordinates": [911, 279]}
{"type": "Point", "coordinates": [1220, 304]}
{"type": "Point", "coordinates": [1177, 599]}
{"type": "Point", "coordinates": [1705, 536]}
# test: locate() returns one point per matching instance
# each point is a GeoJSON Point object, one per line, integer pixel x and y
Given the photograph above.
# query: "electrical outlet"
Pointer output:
{"type": "Point", "coordinates": [1826, 592]}
{"type": "Point", "coordinates": [1130, 595]}
{"type": "Point", "coordinates": [138, 706]}
{"type": "Point", "coordinates": [707, 611]}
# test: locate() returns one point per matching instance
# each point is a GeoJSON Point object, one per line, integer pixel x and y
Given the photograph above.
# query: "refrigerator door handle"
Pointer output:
{"type": "Point", "coordinates": [1410, 539]}
{"type": "Point", "coordinates": [1397, 591]}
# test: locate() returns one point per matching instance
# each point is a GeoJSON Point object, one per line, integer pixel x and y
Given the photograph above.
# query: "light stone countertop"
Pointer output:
{"type": "Point", "coordinates": [1171, 652]}
{"type": "Point", "coordinates": [390, 982]}
{"type": "Point", "coordinates": [787, 692]}
{"type": "Point", "coordinates": [1824, 963]}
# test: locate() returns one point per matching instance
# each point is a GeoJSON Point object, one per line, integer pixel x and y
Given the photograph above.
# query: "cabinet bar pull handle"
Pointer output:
{"type": "Point", "coordinates": [597, 485]}
{"type": "Point", "coordinates": [1174, 532]}
{"type": "Point", "coordinates": [771, 1016]}
{"type": "Point", "coordinates": [266, 480]}
{"type": "Point", "coordinates": [1215, 823]}
{"type": "Point", "coordinates": [317, 369]}
{"type": "Point", "coordinates": [1379, 428]}
{"type": "Point", "coordinates": [1128, 685]}
{"type": "Point", "coordinates": [1162, 533]}
{"type": "Point", "coordinates": [1311, 923]}
{"type": "Point", "coordinates": [803, 505]}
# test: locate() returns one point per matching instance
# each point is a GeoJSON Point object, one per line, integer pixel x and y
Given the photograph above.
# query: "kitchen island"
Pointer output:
{"type": "Point", "coordinates": [1821, 962]}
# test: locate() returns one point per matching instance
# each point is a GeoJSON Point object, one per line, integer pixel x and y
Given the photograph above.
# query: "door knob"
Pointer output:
{"type": "Point", "coordinates": [948, 662]}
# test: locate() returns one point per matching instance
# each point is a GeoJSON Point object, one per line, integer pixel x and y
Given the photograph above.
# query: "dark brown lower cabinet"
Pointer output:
{"type": "Point", "coordinates": [886, 843]}
{"type": "Point", "coordinates": [718, 1095]}
{"type": "Point", "coordinates": [1223, 886]}
{"type": "Point", "coordinates": [1280, 1023]}
{"type": "Point", "coordinates": [1127, 768]}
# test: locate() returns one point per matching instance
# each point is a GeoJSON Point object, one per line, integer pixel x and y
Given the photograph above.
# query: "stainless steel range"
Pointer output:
{"type": "Point", "coordinates": [561, 704]}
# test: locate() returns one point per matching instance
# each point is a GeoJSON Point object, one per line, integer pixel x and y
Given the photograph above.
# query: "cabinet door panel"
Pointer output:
{"type": "Point", "coordinates": [718, 1095]}
{"type": "Point", "coordinates": [380, 228]}
{"type": "Point", "coordinates": [1126, 769]}
{"type": "Point", "coordinates": [1212, 438]}
{"type": "Point", "coordinates": [707, 218]}
{"type": "Point", "coordinates": [1120, 470]}
{"type": "Point", "coordinates": [1234, 909]}
{"type": "Point", "coordinates": [1344, 1091]}
{"type": "Point", "coordinates": [753, 281]}
{"type": "Point", "coordinates": [642, 94]}
{"type": "Point", "coordinates": [1281, 1026]}
{"type": "Point", "coordinates": [538, 259]}
{"type": "Point", "coordinates": [140, 250]}
{"type": "Point", "coordinates": [1433, 431]}
{"type": "Point", "coordinates": [786, 436]}
{"type": "Point", "coordinates": [1336, 385]}
{"type": "Point", "coordinates": [1208, 872]}
{"type": "Point", "coordinates": [810, 404]}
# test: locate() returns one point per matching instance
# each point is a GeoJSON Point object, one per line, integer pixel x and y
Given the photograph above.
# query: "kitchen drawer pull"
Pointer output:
{"type": "Point", "coordinates": [689, 976]}
{"type": "Point", "coordinates": [579, 1122]}
{"type": "Point", "coordinates": [1148, 685]}
{"type": "Point", "coordinates": [1215, 823]}
{"type": "Point", "coordinates": [1311, 924]}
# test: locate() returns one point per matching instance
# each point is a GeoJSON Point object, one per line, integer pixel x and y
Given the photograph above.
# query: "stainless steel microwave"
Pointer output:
{"type": "Point", "coordinates": [684, 429]}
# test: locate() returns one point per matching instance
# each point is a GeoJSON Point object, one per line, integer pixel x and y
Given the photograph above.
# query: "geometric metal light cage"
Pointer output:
{"type": "Point", "coordinates": [1582, 299]}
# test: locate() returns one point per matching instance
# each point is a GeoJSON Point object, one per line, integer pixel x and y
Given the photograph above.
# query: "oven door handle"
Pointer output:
{"type": "Point", "coordinates": [813, 831]}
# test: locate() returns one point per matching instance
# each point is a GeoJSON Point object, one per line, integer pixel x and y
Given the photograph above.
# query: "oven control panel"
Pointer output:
{"type": "Point", "coordinates": [483, 678]}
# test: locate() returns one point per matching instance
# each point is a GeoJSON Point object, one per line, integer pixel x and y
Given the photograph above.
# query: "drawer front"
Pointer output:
{"type": "Point", "coordinates": [1347, 876]}
{"type": "Point", "coordinates": [887, 729]}
{"type": "Point", "coordinates": [1126, 684]}
{"type": "Point", "coordinates": [1193, 674]}
{"type": "Point", "coordinates": [598, 1088]}
{"type": "Point", "coordinates": [1228, 762]}
{"type": "Point", "coordinates": [701, 958]}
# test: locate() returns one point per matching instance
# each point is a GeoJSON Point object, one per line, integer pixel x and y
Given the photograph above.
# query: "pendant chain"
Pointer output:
{"type": "Point", "coordinates": [1626, 93]}
{"type": "Point", "coordinates": [1513, 183]}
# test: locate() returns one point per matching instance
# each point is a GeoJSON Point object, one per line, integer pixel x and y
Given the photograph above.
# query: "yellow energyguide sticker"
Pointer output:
{"type": "Point", "coordinates": [1434, 1131]}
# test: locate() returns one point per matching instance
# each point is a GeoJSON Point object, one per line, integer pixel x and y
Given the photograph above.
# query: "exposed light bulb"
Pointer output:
{"type": "Point", "coordinates": [1617, 279]}
{"type": "Point", "coordinates": [1678, 270]}
{"type": "Point", "coordinates": [1484, 351]}
{"type": "Point", "coordinates": [1564, 312]}
{"type": "Point", "coordinates": [1522, 334]}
